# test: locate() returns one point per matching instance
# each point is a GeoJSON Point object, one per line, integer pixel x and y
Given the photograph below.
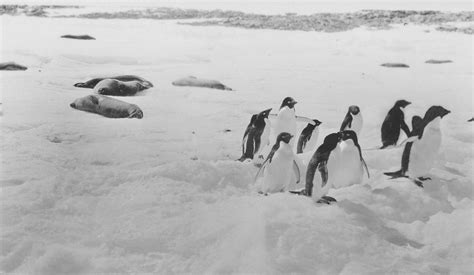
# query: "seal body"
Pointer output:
{"type": "Point", "coordinates": [107, 106]}
{"type": "Point", "coordinates": [118, 88]}
{"type": "Point", "coordinates": [12, 66]}
{"type": "Point", "coordinates": [256, 136]}
{"type": "Point", "coordinates": [308, 137]}
{"type": "Point", "coordinates": [193, 81]}
{"type": "Point", "coordinates": [393, 122]}
{"type": "Point", "coordinates": [353, 120]}
{"type": "Point", "coordinates": [90, 84]}
{"type": "Point", "coordinates": [80, 37]}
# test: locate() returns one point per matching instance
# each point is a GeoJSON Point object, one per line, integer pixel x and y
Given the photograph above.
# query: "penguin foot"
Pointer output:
{"type": "Point", "coordinates": [301, 192]}
{"type": "Point", "coordinates": [418, 183]}
{"type": "Point", "coordinates": [326, 200]}
{"type": "Point", "coordinates": [396, 174]}
{"type": "Point", "coordinates": [424, 178]}
{"type": "Point", "coordinates": [331, 199]}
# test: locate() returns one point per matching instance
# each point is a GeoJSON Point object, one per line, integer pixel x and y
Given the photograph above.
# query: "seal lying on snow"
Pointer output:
{"type": "Point", "coordinates": [118, 88]}
{"type": "Point", "coordinates": [193, 81]}
{"type": "Point", "coordinates": [81, 37]}
{"type": "Point", "coordinates": [125, 78]}
{"type": "Point", "coordinates": [107, 106]}
{"type": "Point", "coordinates": [12, 66]}
{"type": "Point", "coordinates": [395, 65]}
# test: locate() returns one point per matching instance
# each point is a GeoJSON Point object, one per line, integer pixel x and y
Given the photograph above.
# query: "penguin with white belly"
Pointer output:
{"type": "Point", "coordinates": [256, 136]}
{"type": "Point", "coordinates": [286, 119]}
{"type": "Point", "coordinates": [279, 166]}
{"type": "Point", "coordinates": [340, 163]}
{"type": "Point", "coordinates": [421, 152]}
{"type": "Point", "coordinates": [353, 120]}
{"type": "Point", "coordinates": [308, 137]}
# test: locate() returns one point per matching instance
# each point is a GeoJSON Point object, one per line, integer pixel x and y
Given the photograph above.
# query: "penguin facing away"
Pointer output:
{"type": "Point", "coordinates": [393, 122]}
{"type": "Point", "coordinates": [308, 137]}
{"type": "Point", "coordinates": [277, 168]}
{"type": "Point", "coordinates": [256, 135]}
{"type": "Point", "coordinates": [340, 163]}
{"type": "Point", "coordinates": [353, 120]}
{"type": "Point", "coordinates": [420, 154]}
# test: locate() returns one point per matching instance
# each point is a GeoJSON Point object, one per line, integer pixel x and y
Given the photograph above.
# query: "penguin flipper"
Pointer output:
{"type": "Point", "coordinates": [396, 174]}
{"type": "Point", "coordinates": [305, 119]}
{"type": "Point", "coordinates": [296, 169]}
{"type": "Point", "coordinates": [323, 169]}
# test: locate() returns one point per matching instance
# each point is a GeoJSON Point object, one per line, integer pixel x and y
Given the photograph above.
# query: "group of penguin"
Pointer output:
{"type": "Point", "coordinates": [338, 161]}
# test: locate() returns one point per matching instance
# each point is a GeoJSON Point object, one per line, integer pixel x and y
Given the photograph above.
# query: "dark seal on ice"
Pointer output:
{"type": "Point", "coordinates": [12, 66]}
{"type": "Point", "coordinates": [395, 65]}
{"type": "Point", "coordinates": [119, 88]}
{"type": "Point", "coordinates": [80, 37]}
{"type": "Point", "coordinates": [124, 78]}
{"type": "Point", "coordinates": [436, 61]}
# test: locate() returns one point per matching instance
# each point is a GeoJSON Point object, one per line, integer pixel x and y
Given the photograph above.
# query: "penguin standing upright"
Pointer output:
{"type": "Point", "coordinates": [277, 168]}
{"type": "Point", "coordinates": [394, 120]}
{"type": "Point", "coordinates": [256, 135]}
{"type": "Point", "coordinates": [339, 161]}
{"type": "Point", "coordinates": [353, 120]}
{"type": "Point", "coordinates": [286, 120]}
{"type": "Point", "coordinates": [308, 137]}
{"type": "Point", "coordinates": [420, 154]}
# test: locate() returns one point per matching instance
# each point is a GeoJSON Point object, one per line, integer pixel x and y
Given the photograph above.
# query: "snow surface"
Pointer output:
{"type": "Point", "coordinates": [81, 193]}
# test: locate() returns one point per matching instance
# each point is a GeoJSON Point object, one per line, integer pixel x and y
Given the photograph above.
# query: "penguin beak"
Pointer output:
{"type": "Point", "coordinates": [446, 112]}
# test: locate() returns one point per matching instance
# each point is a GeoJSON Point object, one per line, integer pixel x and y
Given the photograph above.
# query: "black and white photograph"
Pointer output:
{"type": "Point", "coordinates": [236, 137]}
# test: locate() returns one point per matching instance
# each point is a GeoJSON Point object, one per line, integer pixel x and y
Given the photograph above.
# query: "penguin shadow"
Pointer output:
{"type": "Point", "coordinates": [364, 217]}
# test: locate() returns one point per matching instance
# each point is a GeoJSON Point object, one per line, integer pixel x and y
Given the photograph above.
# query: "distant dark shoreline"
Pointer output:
{"type": "Point", "coordinates": [321, 22]}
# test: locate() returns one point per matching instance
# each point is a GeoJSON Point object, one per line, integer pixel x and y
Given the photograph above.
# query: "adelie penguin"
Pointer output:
{"type": "Point", "coordinates": [422, 150]}
{"type": "Point", "coordinates": [256, 135]}
{"type": "Point", "coordinates": [279, 166]}
{"type": "Point", "coordinates": [353, 120]}
{"type": "Point", "coordinates": [308, 137]}
{"type": "Point", "coordinates": [286, 119]}
{"type": "Point", "coordinates": [394, 121]}
{"type": "Point", "coordinates": [339, 162]}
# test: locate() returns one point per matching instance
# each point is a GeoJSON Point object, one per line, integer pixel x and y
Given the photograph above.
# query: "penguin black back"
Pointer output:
{"type": "Point", "coordinates": [319, 161]}
{"type": "Point", "coordinates": [252, 136]}
{"type": "Point", "coordinates": [305, 135]}
{"type": "Point", "coordinates": [393, 122]}
{"type": "Point", "coordinates": [347, 122]}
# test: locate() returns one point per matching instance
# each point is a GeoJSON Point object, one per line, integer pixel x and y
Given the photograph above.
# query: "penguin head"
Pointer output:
{"type": "Point", "coordinates": [333, 139]}
{"type": "Point", "coordinates": [349, 134]}
{"type": "Point", "coordinates": [285, 137]}
{"type": "Point", "coordinates": [434, 112]}
{"type": "Point", "coordinates": [354, 110]}
{"type": "Point", "coordinates": [288, 101]}
{"type": "Point", "coordinates": [265, 113]}
{"type": "Point", "coordinates": [317, 122]}
{"type": "Point", "coordinates": [402, 103]}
